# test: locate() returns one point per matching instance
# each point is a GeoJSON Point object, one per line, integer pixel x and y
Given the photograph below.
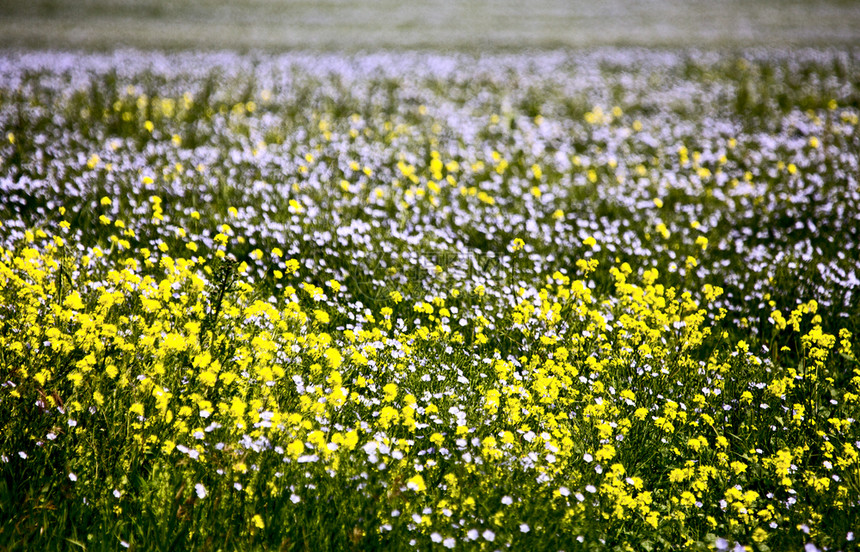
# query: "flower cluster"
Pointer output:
{"type": "Point", "coordinates": [415, 301]}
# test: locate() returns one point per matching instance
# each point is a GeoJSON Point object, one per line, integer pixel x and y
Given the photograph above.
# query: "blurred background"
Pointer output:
{"type": "Point", "coordinates": [353, 25]}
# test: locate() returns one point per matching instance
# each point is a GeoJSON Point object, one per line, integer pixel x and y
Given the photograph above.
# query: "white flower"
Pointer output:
{"type": "Point", "coordinates": [507, 501]}
{"type": "Point", "coordinates": [200, 490]}
{"type": "Point", "coordinates": [524, 528]}
{"type": "Point", "coordinates": [73, 477]}
{"type": "Point", "coordinates": [488, 535]}
{"type": "Point", "coordinates": [436, 537]}
{"type": "Point", "coordinates": [295, 499]}
{"type": "Point", "coordinates": [591, 488]}
{"type": "Point", "coordinates": [449, 542]}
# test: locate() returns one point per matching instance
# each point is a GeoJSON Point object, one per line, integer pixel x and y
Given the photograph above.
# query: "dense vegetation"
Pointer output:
{"type": "Point", "coordinates": [411, 301]}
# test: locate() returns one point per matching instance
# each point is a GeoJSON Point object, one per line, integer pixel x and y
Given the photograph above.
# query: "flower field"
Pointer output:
{"type": "Point", "coordinates": [600, 300]}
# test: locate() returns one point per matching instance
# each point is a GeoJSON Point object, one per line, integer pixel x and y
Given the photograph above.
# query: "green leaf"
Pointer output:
{"type": "Point", "coordinates": [77, 543]}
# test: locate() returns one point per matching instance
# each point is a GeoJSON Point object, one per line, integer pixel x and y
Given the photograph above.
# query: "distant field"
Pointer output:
{"type": "Point", "coordinates": [436, 24]}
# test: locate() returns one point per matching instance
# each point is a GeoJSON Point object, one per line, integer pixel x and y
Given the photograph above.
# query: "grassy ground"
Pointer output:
{"type": "Point", "coordinates": [402, 301]}
{"type": "Point", "coordinates": [437, 24]}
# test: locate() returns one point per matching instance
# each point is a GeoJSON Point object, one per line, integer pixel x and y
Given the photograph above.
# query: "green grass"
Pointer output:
{"type": "Point", "coordinates": [439, 25]}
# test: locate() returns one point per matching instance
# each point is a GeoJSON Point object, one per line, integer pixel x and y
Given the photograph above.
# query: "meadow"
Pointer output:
{"type": "Point", "coordinates": [478, 25]}
{"type": "Point", "coordinates": [559, 300]}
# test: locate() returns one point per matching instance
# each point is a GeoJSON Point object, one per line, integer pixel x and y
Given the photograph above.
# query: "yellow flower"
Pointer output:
{"type": "Point", "coordinates": [334, 358]}
{"type": "Point", "coordinates": [208, 378]}
{"type": "Point", "coordinates": [350, 440]}
{"type": "Point", "coordinates": [258, 521]}
{"type": "Point", "coordinates": [390, 391]}
{"type": "Point", "coordinates": [296, 448]}
{"type": "Point", "coordinates": [677, 475]}
{"type": "Point", "coordinates": [387, 416]}
{"type": "Point", "coordinates": [416, 483]}
{"type": "Point", "coordinates": [653, 519]}
{"type": "Point", "coordinates": [73, 301]}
